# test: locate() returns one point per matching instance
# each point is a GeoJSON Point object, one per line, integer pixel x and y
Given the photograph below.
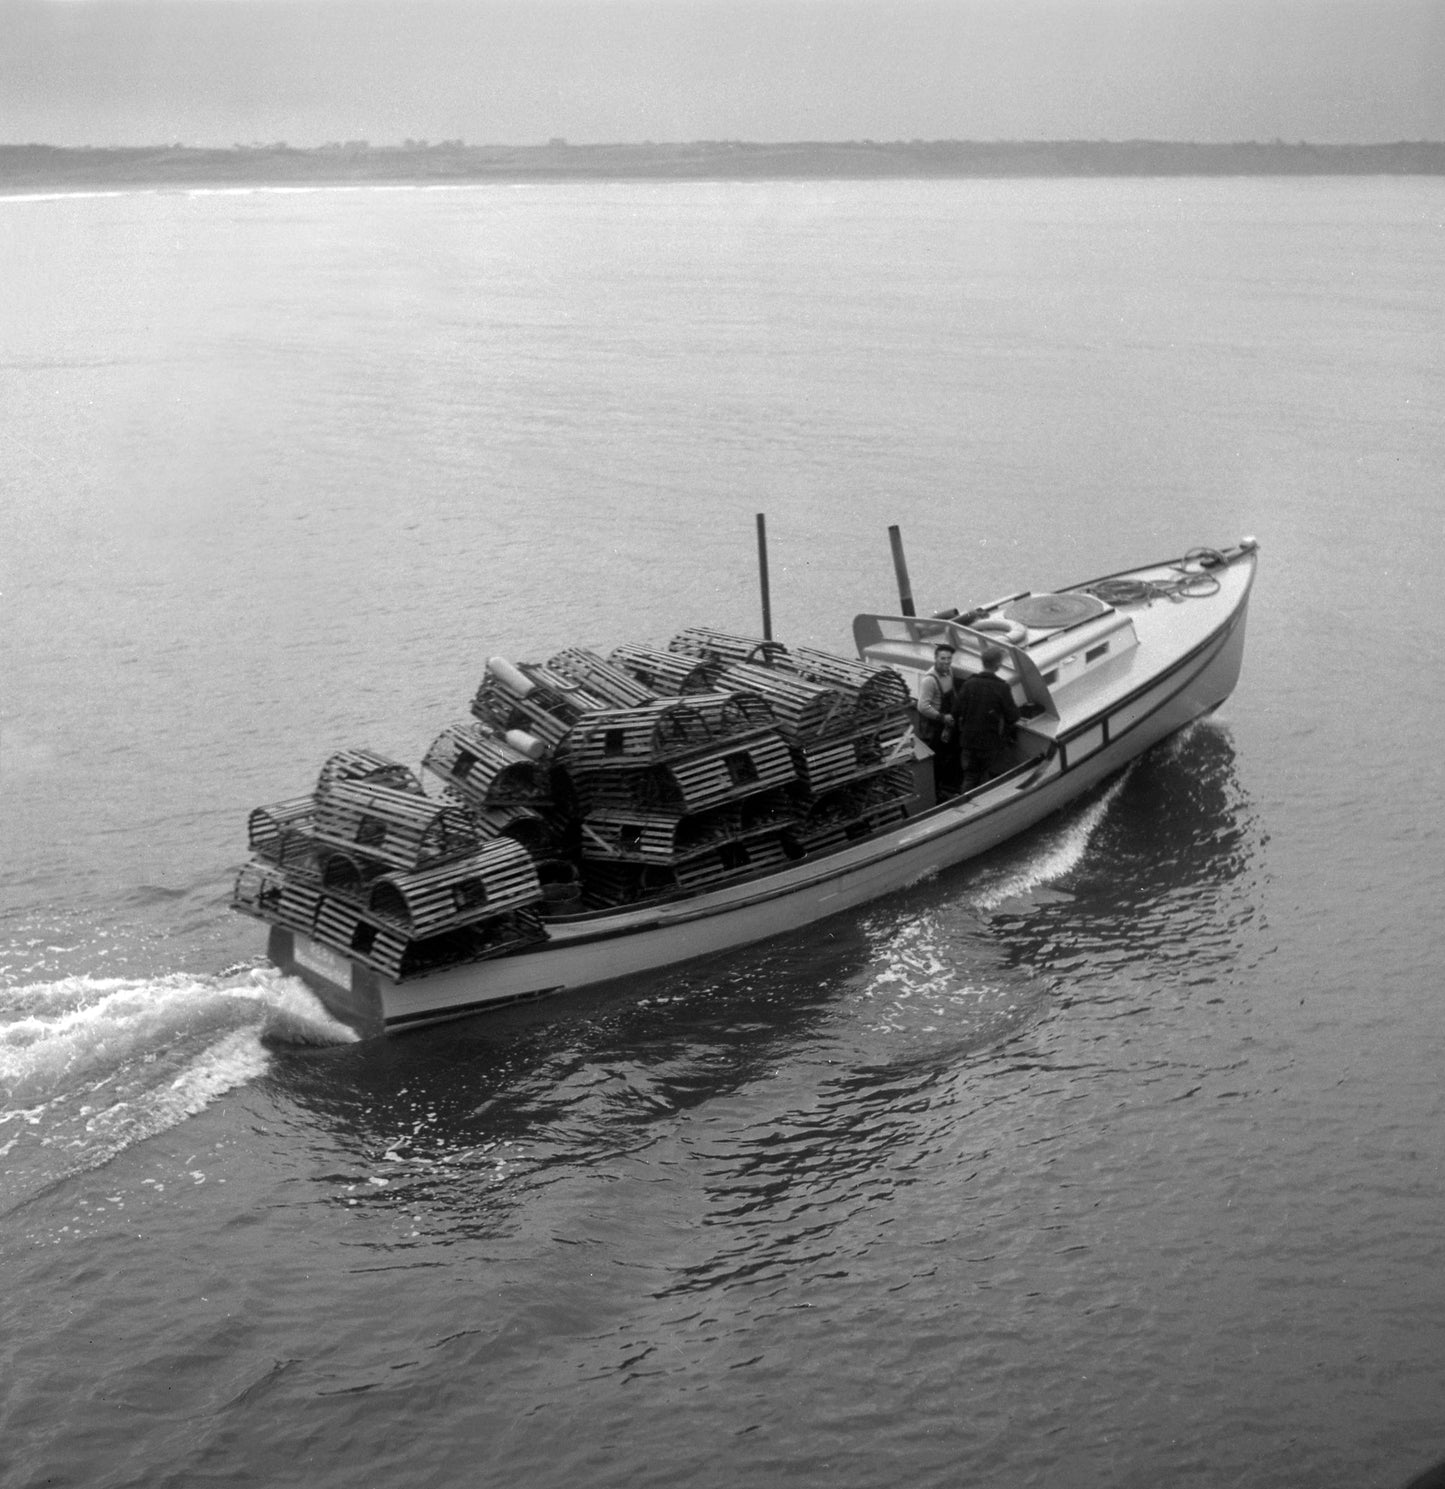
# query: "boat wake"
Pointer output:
{"type": "Point", "coordinates": [90, 1066]}
{"type": "Point", "coordinates": [1056, 852]}
{"type": "Point", "coordinates": [920, 982]}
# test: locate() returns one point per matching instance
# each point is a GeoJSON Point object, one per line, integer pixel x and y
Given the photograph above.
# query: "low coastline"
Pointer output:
{"type": "Point", "coordinates": [36, 168]}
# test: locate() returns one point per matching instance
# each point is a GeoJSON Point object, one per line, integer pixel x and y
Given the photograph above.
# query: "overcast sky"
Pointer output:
{"type": "Point", "coordinates": [218, 72]}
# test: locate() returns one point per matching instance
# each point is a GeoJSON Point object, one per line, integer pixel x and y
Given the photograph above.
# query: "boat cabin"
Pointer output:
{"type": "Point", "coordinates": [1050, 643]}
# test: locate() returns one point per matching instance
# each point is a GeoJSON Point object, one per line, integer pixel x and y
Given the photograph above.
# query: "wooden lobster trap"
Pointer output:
{"type": "Point", "coordinates": [268, 892]}
{"type": "Point", "coordinates": [618, 882]}
{"type": "Point", "coordinates": [697, 782]}
{"type": "Point", "coordinates": [346, 928]}
{"type": "Point", "coordinates": [367, 766]}
{"type": "Point", "coordinates": [388, 950]}
{"type": "Point", "coordinates": [730, 713]}
{"type": "Point", "coordinates": [533, 697]}
{"type": "Point", "coordinates": [667, 672]}
{"type": "Point", "coordinates": [825, 836]}
{"type": "Point", "coordinates": [349, 876]}
{"type": "Point", "coordinates": [730, 861]}
{"type": "Point", "coordinates": [500, 877]}
{"type": "Point", "coordinates": [703, 641]}
{"type": "Point", "coordinates": [864, 687]}
{"type": "Point", "coordinates": [671, 837]}
{"type": "Point", "coordinates": [803, 709]}
{"type": "Point", "coordinates": [394, 827]}
{"type": "Point", "coordinates": [639, 837]}
{"type": "Point", "coordinates": [538, 832]}
{"type": "Point", "coordinates": [834, 760]}
{"type": "Point", "coordinates": [603, 679]}
{"type": "Point", "coordinates": [741, 767]}
{"type": "Point", "coordinates": [870, 689]}
{"type": "Point", "coordinates": [634, 736]}
{"type": "Point", "coordinates": [284, 834]}
{"type": "Point", "coordinates": [485, 771]}
{"type": "Point", "coordinates": [854, 812]}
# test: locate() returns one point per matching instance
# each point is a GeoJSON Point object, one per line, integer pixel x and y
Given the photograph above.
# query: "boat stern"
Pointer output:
{"type": "Point", "coordinates": [351, 992]}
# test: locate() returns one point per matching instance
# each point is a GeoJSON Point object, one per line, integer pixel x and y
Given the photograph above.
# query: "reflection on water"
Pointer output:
{"type": "Point", "coordinates": [877, 1017]}
{"type": "Point", "coordinates": [1171, 888]}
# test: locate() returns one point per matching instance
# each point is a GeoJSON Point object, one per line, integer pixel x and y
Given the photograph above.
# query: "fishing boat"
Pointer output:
{"type": "Point", "coordinates": [599, 817]}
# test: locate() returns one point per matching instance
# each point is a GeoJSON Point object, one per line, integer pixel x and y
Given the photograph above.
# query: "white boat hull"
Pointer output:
{"type": "Point", "coordinates": [592, 950]}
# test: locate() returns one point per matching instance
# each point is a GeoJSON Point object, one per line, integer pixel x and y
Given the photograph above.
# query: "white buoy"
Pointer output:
{"type": "Point", "coordinates": [517, 683]}
{"type": "Point", "coordinates": [526, 744]}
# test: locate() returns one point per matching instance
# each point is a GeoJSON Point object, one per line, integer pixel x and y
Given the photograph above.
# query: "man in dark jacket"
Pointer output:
{"type": "Point", "coordinates": [987, 715]}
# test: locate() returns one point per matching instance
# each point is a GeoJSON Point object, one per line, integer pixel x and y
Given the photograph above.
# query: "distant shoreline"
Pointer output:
{"type": "Point", "coordinates": [51, 168]}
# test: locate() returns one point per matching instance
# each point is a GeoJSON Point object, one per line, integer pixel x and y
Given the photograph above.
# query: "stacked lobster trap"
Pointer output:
{"type": "Point", "coordinates": [582, 783]}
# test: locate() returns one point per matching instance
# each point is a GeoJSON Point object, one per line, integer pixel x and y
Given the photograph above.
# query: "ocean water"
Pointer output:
{"type": "Point", "coordinates": [1114, 1159]}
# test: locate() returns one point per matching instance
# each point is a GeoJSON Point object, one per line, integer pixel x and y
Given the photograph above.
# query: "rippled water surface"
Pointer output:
{"type": "Point", "coordinates": [1113, 1159]}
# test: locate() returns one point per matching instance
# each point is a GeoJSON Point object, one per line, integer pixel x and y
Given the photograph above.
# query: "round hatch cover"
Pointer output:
{"type": "Point", "coordinates": [1049, 612]}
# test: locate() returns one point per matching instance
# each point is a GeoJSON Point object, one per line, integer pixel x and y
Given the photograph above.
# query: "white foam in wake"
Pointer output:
{"type": "Point", "coordinates": [1051, 859]}
{"type": "Point", "coordinates": [919, 980]}
{"type": "Point", "coordinates": [90, 1065]}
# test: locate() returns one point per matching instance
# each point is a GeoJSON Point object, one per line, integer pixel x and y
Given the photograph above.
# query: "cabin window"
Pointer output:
{"type": "Point", "coordinates": [1050, 678]}
{"type": "Point", "coordinates": [371, 831]}
{"type": "Point", "coordinates": [468, 894]}
{"type": "Point", "coordinates": [741, 767]}
{"type": "Point", "coordinates": [462, 765]}
{"type": "Point", "coordinates": [1095, 652]}
{"type": "Point", "coordinates": [614, 742]}
{"type": "Point", "coordinates": [363, 938]}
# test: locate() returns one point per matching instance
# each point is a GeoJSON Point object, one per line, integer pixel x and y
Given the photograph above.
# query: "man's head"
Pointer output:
{"type": "Point", "coordinates": [992, 658]}
{"type": "Point", "coordinates": [942, 657]}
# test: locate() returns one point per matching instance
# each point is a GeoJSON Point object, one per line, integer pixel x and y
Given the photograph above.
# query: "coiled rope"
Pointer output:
{"type": "Point", "coordinates": [1183, 584]}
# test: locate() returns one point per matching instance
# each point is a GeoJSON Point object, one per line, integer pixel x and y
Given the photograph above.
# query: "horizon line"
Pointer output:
{"type": "Point", "coordinates": [561, 143]}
